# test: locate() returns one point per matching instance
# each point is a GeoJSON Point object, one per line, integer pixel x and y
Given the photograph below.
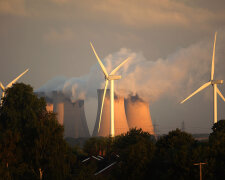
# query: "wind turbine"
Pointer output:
{"type": "Point", "coordinates": [213, 83]}
{"type": "Point", "coordinates": [109, 77]}
{"type": "Point", "coordinates": [10, 84]}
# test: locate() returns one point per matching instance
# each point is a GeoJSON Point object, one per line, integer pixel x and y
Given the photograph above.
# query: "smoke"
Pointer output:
{"type": "Point", "coordinates": [177, 75]}
{"type": "Point", "coordinates": [154, 79]}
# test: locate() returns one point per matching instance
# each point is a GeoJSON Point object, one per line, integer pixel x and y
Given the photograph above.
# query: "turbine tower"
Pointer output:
{"type": "Point", "coordinates": [10, 84]}
{"type": "Point", "coordinates": [213, 83]}
{"type": "Point", "coordinates": [109, 77]}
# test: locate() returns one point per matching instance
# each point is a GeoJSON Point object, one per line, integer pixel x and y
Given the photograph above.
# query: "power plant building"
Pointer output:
{"type": "Point", "coordinates": [120, 121]}
{"type": "Point", "coordinates": [132, 112]}
{"type": "Point", "coordinates": [138, 114]}
{"type": "Point", "coordinates": [70, 115]}
{"type": "Point", "coordinates": [75, 124]}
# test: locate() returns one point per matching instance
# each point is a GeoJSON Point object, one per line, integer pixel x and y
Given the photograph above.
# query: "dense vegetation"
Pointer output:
{"type": "Point", "coordinates": [32, 147]}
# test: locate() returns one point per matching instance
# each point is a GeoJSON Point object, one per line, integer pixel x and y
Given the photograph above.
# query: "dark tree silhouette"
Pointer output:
{"type": "Point", "coordinates": [32, 144]}
{"type": "Point", "coordinates": [217, 150]}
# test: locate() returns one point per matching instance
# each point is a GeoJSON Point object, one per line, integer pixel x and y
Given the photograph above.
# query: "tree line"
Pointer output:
{"type": "Point", "coordinates": [32, 146]}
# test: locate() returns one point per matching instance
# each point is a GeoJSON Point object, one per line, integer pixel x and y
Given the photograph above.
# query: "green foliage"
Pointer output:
{"type": "Point", "coordinates": [217, 150]}
{"type": "Point", "coordinates": [31, 139]}
{"type": "Point", "coordinates": [173, 158]}
{"type": "Point", "coordinates": [136, 150]}
{"type": "Point", "coordinates": [98, 146]}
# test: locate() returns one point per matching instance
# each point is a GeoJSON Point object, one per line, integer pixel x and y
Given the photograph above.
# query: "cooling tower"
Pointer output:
{"type": "Point", "coordinates": [58, 106]}
{"type": "Point", "coordinates": [83, 119]}
{"type": "Point", "coordinates": [138, 114]}
{"type": "Point", "coordinates": [120, 124]}
{"type": "Point", "coordinates": [70, 115]}
{"type": "Point", "coordinates": [75, 124]}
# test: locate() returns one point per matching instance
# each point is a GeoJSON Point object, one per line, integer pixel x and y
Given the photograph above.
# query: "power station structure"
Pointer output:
{"type": "Point", "coordinates": [120, 120]}
{"type": "Point", "coordinates": [132, 112]}
{"type": "Point", "coordinates": [138, 114]}
{"type": "Point", "coordinates": [75, 124]}
{"type": "Point", "coordinates": [69, 114]}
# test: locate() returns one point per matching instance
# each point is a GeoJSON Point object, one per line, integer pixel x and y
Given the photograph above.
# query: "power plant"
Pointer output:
{"type": "Point", "coordinates": [75, 124]}
{"type": "Point", "coordinates": [58, 106]}
{"type": "Point", "coordinates": [70, 115]}
{"type": "Point", "coordinates": [120, 119]}
{"type": "Point", "coordinates": [138, 114]}
{"type": "Point", "coordinates": [132, 112]}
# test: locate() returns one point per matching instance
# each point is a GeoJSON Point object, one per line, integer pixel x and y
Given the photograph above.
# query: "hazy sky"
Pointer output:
{"type": "Point", "coordinates": [170, 41]}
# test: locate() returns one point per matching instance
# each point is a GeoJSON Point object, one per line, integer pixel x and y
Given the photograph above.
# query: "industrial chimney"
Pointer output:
{"type": "Point", "coordinates": [120, 124]}
{"type": "Point", "coordinates": [138, 114]}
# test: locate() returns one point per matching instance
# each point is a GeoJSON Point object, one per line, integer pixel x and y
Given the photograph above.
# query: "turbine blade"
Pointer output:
{"type": "Point", "coordinates": [10, 84]}
{"type": "Point", "coordinates": [2, 87]}
{"type": "Point", "coordinates": [103, 99]}
{"type": "Point", "coordinates": [99, 61]}
{"type": "Point", "coordinates": [218, 91]}
{"type": "Point", "coordinates": [118, 67]}
{"type": "Point", "coordinates": [213, 57]}
{"type": "Point", "coordinates": [198, 90]}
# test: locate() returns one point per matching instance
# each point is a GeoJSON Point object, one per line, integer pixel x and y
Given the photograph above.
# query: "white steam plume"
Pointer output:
{"type": "Point", "coordinates": [176, 75]}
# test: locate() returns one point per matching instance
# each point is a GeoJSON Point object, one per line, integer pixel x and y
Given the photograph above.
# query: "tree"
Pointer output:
{"type": "Point", "coordinates": [136, 150]}
{"type": "Point", "coordinates": [173, 158]}
{"type": "Point", "coordinates": [217, 150]}
{"type": "Point", "coordinates": [98, 145]}
{"type": "Point", "coordinates": [32, 144]}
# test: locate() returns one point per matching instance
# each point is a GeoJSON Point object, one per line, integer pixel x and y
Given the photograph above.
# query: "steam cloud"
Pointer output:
{"type": "Point", "coordinates": [176, 75]}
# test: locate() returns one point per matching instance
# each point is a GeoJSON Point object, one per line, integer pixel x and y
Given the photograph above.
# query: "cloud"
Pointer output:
{"type": "Point", "coordinates": [61, 1]}
{"type": "Point", "coordinates": [149, 12]}
{"type": "Point", "coordinates": [139, 14]}
{"type": "Point", "coordinates": [13, 7]}
{"type": "Point", "coordinates": [58, 36]}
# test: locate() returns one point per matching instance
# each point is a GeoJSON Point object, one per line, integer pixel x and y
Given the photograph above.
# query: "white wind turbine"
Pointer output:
{"type": "Point", "coordinates": [109, 77]}
{"type": "Point", "coordinates": [213, 83]}
{"type": "Point", "coordinates": [11, 83]}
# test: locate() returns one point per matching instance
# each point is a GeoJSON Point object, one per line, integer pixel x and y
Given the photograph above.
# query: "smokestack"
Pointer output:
{"type": "Point", "coordinates": [138, 114]}
{"type": "Point", "coordinates": [75, 123]}
{"type": "Point", "coordinates": [120, 124]}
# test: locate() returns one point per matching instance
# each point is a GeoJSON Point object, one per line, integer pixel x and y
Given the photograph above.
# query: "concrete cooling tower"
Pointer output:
{"type": "Point", "coordinates": [120, 124]}
{"type": "Point", "coordinates": [58, 106]}
{"type": "Point", "coordinates": [138, 114]}
{"type": "Point", "coordinates": [75, 124]}
{"type": "Point", "coordinates": [70, 115]}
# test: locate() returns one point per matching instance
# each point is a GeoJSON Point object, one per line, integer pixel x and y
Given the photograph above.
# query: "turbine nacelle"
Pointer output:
{"type": "Point", "coordinates": [217, 82]}
{"type": "Point", "coordinates": [113, 77]}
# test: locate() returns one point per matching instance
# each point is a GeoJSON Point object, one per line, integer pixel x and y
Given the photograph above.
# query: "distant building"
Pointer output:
{"type": "Point", "coordinates": [70, 115]}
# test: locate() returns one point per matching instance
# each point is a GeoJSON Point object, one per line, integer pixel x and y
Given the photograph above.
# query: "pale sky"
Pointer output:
{"type": "Point", "coordinates": [174, 38]}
